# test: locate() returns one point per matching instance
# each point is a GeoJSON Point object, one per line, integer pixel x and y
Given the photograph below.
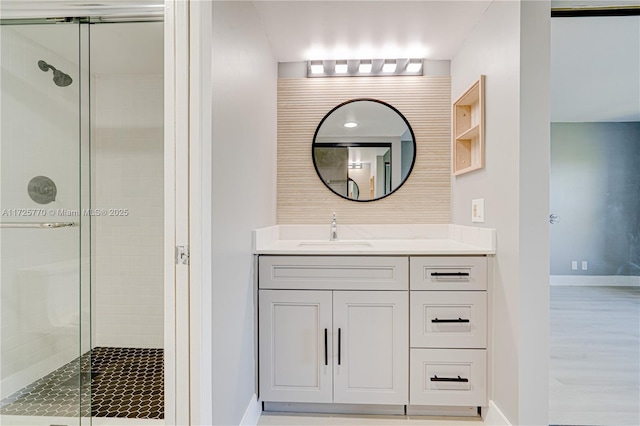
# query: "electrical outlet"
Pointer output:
{"type": "Point", "coordinates": [585, 266]}
{"type": "Point", "coordinates": [477, 210]}
{"type": "Point", "coordinates": [574, 265]}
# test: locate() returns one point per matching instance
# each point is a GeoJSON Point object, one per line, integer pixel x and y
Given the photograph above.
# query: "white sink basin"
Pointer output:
{"type": "Point", "coordinates": [339, 243]}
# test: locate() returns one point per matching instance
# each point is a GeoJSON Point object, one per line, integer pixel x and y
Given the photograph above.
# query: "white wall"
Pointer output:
{"type": "Point", "coordinates": [40, 268]}
{"type": "Point", "coordinates": [128, 174]}
{"type": "Point", "coordinates": [244, 192]}
{"type": "Point", "coordinates": [534, 163]}
{"type": "Point", "coordinates": [510, 46]}
{"type": "Point", "coordinates": [595, 63]}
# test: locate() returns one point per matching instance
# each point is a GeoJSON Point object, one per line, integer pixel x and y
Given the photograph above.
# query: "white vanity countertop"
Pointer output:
{"type": "Point", "coordinates": [375, 240]}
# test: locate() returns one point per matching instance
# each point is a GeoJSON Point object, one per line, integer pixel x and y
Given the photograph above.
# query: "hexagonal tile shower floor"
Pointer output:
{"type": "Point", "coordinates": [125, 382]}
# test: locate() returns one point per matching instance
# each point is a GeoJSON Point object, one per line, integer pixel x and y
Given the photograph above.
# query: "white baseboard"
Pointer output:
{"type": "Point", "coordinates": [328, 408]}
{"type": "Point", "coordinates": [596, 280]}
{"type": "Point", "coordinates": [252, 413]}
{"type": "Point", "coordinates": [441, 411]}
{"type": "Point", "coordinates": [493, 416]}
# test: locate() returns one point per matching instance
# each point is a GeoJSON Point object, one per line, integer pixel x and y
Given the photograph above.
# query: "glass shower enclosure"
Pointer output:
{"type": "Point", "coordinates": [45, 309]}
{"type": "Point", "coordinates": [81, 293]}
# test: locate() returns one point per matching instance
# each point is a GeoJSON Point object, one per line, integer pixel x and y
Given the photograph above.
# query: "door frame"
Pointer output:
{"type": "Point", "coordinates": [188, 204]}
{"type": "Point", "coordinates": [176, 277]}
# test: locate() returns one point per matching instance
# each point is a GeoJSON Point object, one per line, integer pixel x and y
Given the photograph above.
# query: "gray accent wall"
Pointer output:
{"type": "Point", "coordinates": [595, 191]}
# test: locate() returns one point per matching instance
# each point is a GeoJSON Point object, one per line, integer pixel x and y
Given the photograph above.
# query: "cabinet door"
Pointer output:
{"type": "Point", "coordinates": [295, 346]}
{"type": "Point", "coordinates": [371, 347]}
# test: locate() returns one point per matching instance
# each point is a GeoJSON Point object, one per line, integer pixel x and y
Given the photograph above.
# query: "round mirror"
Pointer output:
{"type": "Point", "coordinates": [364, 149]}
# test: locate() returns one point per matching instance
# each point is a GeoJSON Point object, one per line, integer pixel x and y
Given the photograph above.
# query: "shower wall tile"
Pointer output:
{"type": "Point", "coordinates": [128, 174]}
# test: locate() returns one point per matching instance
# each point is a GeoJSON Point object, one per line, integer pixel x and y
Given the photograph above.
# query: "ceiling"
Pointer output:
{"type": "Point", "coordinates": [305, 30]}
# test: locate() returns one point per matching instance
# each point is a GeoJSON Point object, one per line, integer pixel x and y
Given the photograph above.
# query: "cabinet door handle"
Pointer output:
{"type": "Point", "coordinates": [339, 346]}
{"type": "Point", "coordinates": [449, 274]}
{"type": "Point", "coordinates": [448, 379]}
{"type": "Point", "coordinates": [326, 353]}
{"type": "Point", "coordinates": [436, 320]}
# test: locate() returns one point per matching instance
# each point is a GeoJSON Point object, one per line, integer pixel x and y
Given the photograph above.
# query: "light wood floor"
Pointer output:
{"type": "Point", "coordinates": [595, 356]}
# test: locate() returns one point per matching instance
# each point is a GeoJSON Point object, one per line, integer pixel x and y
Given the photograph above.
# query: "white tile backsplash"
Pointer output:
{"type": "Point", "coordinates": [128, 174]}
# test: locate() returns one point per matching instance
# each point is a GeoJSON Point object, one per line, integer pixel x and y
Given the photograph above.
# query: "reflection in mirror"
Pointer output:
{"type": "Point", "coordinates": [354, 189]}
{"type": "Point", "coordinates": [364, 150]}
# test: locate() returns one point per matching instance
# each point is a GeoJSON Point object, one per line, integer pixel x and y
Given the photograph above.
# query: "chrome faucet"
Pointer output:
{"type": "Point", "coordinates": [334, 229]}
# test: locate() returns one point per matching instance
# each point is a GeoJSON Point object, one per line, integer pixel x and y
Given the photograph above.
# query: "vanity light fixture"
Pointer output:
{"type": "Point", "coordinates": [341, 67]}
{"type": "Point", "coordinates": [414, 65]}
{"type": "Point", "coordinates": [355, 165]}
{"type": "Point", "coordinates": [365, 66]}
{"type": "Point", "coordinates": [389, 65]}
{"type": "Point", "coordinates": [350, 124]}
{"type": "Point", "coordinates": [316, 67]}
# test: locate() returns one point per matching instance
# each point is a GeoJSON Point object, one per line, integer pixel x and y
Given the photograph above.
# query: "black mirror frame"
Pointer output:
{"type": "Point", "coordinates": [413, 136]}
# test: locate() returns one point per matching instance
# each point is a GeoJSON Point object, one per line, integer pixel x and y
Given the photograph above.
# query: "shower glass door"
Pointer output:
{"type": "Point", "coordinates": [45, 309]}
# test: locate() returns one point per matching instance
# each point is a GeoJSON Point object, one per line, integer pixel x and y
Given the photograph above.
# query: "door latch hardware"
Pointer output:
{"type": "Point", "coordinates": [182, 255]}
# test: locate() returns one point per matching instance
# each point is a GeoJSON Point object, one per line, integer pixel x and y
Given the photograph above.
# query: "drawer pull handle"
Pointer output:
{"type": "Point", "coordinates": [326, 353]}
{"type": "Point", "coordinates": [449, 320]}
{"type": "Point", "coordinates": [449, 274]}
{"type": "Point", "coordinates": [449, 379]}
{"type": "Point", "coordinates": [339, 346]}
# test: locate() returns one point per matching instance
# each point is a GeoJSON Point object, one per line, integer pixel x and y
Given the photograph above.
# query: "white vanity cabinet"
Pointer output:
{"type": "Point", "coordinates": [343, 343]}
{"type": "Point", "coordinates": [390, 319]}
{"type": "Point", "coordinates": [403, 331]}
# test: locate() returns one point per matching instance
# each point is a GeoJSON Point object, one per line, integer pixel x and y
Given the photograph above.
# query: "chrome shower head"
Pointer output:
{"type": "Point", "coordinates": [59, 78]}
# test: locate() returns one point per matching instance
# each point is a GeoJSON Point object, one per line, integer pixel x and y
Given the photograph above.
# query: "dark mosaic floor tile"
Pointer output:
{"type": "Point", "coordinates": [119, 382]}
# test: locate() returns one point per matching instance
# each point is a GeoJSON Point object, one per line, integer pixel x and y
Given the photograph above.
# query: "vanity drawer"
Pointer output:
{"type": "Point", "coordinates": [448, 319]}
{"type": "Point", "coordinates": [334, 272]}
{"type": "Point", "coordinates": [448, 273]}
{"type": "Point", "coordinates": [448, 377]}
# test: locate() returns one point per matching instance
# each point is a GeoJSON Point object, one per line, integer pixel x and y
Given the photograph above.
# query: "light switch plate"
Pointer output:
{"type": "Point", "coordinates": [477, 210]}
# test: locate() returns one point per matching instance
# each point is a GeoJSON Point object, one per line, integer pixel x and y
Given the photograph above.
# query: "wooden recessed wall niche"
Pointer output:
{"type": "Point", "coordinates": [468, 129]}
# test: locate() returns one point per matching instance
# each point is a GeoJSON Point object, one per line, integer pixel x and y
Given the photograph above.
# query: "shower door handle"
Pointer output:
{"type": "Point", "coordinates": [47, 225]}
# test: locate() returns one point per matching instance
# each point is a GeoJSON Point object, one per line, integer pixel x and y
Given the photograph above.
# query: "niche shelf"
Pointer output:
{"type": "Point", "coordinates": [468, 130]}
